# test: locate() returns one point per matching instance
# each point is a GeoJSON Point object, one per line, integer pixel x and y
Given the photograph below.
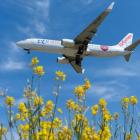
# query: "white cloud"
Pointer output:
{"type": "Point", "coordinates": [111, 91]}
{"type": "Point", "coordinates": [120, 69]}
{"type": "Point", "coordinates": [25, 30]}
{"type": "Point", "coordinates": [10, 64]}
{"type": "Point", "coordinates": [118, 72]}
{"type": "Point", "coordinates": [86, 2]}
{"type": "Point", "coordinates": [20, 100]}
{"type": "Point", "coordinates": [38, 16]}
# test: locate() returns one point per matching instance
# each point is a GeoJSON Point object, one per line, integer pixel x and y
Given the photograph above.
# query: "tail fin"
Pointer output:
{"type": "Point", "coordinates": [131, 48]}
{"type": "Point", "coordinates": [126, 41]}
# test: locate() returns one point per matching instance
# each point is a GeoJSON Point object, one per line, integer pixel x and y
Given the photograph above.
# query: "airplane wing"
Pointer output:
{"type": "Point", "coordinates": [78, 68]}
{"type": "Point", "coordinates": [86, 36]}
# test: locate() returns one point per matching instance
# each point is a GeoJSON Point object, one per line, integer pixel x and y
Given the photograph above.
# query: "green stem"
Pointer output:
{"type": "Point", "coordinates": [58, 86]}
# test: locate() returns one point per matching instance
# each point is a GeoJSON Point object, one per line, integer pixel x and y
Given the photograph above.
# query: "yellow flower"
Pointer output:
{"type": "Point", "coordinates": [129, 136]}
{"type": "Point", "coordinates": [87, 85]}
{"type": "Point", "coordinates": [138, 138]}
{"type": "Point", "coordinates": [102, 103]}
{"type": "Point", "coordinates": [56, 78]}
{"type": "Point", "coordinates": [50, 103]}
{"type": "Point", "coordinates": [38, 101]}
{"type": "Point", "coordinates": [22, 108]}
{"type": "Point", "coordinates": [60, 74]}
{"type": "Point", "coordinates": [9, 100]}
{"type": "Point", "coordinates": [116, 115]}
{"type": "Point", "coordinates": [59, 110]}
{"type": "Point", "coordinates": [70, 104]}
{"type": "Point", "coordinates": [94, 109]}
{"type": "Point", "coordinates": [133, 100]}
{"type": "Point", "coordinates": [39, 70]}
{"type": "Point", "coordinates": [125, 101]}
{"type": "Point", "coordinates": [63, 77]}
{"type": "Point", "coordinates": [75, 107]}
{"type": "Point", "coordinates": [3, 131]}
{"type": "Point", "coordinates": [34, 62]}
{"type": "Point", "coordinates": [78, 91]}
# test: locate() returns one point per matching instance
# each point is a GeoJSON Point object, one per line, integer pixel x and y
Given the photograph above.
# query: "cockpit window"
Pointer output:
{"type": "Point", "coordinates": [24, 39]}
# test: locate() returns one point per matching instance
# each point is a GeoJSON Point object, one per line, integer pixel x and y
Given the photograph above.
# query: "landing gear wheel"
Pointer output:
{"type": "Point", "coordinates": [78, 60]}
{"type": "Point", "coordinates": [28, 52]}
{"type": "Point", "coordinates": [80, 51]}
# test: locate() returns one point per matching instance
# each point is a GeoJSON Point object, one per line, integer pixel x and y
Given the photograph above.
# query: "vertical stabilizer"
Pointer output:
{"type": "Point", "coordinates": [126, 41]}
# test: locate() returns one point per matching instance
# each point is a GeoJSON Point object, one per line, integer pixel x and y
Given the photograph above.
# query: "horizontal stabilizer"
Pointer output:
{"type": "Point", "coordinates": [132, 46]}
{"type": "Point", "coordinates": [127, 57]}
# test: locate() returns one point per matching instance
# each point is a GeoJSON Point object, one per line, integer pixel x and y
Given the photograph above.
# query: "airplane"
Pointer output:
{"type": "Point", "coordinates": [73, 51]}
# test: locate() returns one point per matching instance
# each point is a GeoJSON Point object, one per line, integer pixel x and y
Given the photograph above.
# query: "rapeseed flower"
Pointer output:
{"type": "Point", "coordinates": [38, 101]}
{"type": "Point", "coordinates": [34, 62]}
{"type": "Point", "coordinates": [102, 103]}
{"type": "Point", "coordinates": [78, 91]}
{"type": "Point", "coordinates": [116, 115]}
{"type": "Point", "coordinates": [87, 85]}
{"type": "Point", "coordinates": [39, 70]}
{"type": "Point", "coordinates": [133, 100]}
{"type": "Point", "coordinates": [70, 104]}
{"type": "Point", "coordinates": [60, 75]}
{"type": "Point", "coordinates": [59, 110]}
{"type": "Point", "coordinates": [9, 101]}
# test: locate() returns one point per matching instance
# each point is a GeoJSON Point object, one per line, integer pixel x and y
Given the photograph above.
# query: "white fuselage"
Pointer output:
{"type": "Point", "coordinates": [54, 46]}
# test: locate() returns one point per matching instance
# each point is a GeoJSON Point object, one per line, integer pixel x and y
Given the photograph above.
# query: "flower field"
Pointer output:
{"type": "Point", "coordinates": [38, 120]}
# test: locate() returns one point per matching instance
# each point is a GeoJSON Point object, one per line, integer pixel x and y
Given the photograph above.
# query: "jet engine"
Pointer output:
{"type": "Point", "coordinates": [62, 60]}
{"type": "Point", "coordinates": [67, 42]}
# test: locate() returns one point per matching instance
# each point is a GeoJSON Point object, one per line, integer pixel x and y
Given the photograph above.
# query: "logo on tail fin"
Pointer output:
{"type": "Point", "coordinates": [126, 41]}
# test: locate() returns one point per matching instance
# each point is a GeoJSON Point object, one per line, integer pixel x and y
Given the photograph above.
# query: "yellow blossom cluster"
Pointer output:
{"type": "Point", "coordinates": [9, 101]}
{"type": "Point", "coordinates": [23, 130]}
{"type": "Point", "coordinates": [60, 75]}
{"type": "Point", "coordinates": [125, 102]}
{"type": "Point", "coordinates": [78, 91]}
{"type": "Point", "coordinates": [89, 134]}
{"type": "Point", "coordinates": [22, 108]}
{"type": "Point", "coordinates": [94, 109]}
{"type": "Point", "coordinates": [116, 115]}
{"type": "Point", "coordinates": [70, 104]}
{"type": "Point", "coordinates": [133, 100]}
{"type": "Point", "coordinates": [3, 131]}
{"type": "Point", "coordinates": [47, 108]}
{"type": "Point", "coordinates": [87, 85]}
{"type": "Point", "coordinates": [105, 134]}
{"type": "Point", "coordinates": [64, 133]}
{"type": "Point", "coordinates": [19, 117]}
{"type": "Point", "coordinates": [102, 103]}
{"type": "Point", "coordinates": [59, 110]}
{"type": "Point", "coordinates": [34, 62]}
{"type": "Point", "coordinates": [129, 136]}
{"type": "Point", "coordinates": [39, 70]}
{"type": "Point", "coordinates": [38, 101]}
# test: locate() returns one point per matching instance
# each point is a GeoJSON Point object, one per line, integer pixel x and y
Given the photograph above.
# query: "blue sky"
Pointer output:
{"type": "Point", "coordinates": [111, 78]}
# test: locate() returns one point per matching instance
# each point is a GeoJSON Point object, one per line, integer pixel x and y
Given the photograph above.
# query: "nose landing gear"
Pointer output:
{"type": "Point", "coordinates": [28, 51]}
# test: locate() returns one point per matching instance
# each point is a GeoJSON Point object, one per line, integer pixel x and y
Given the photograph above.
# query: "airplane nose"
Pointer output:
{"type": "Point", "coordinates": [18, 43]}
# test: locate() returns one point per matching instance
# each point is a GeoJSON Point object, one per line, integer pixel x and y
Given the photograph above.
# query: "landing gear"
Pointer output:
{"type": "Point", "coordinates": [78, 58]}
{"type": "Point", "coordinates": [28, 51]}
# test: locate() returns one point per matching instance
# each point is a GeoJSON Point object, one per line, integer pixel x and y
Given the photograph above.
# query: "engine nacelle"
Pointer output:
{"type": "Point", "coordinates": [67, 42]}
{"type": "Point", "coordinates": [62, 60]}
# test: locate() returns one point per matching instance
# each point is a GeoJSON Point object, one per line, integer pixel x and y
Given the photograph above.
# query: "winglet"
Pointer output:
{"type": "Point", "coordinates": [111, 6]}
{"type": "Point", "coordinates": [83, 70]}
